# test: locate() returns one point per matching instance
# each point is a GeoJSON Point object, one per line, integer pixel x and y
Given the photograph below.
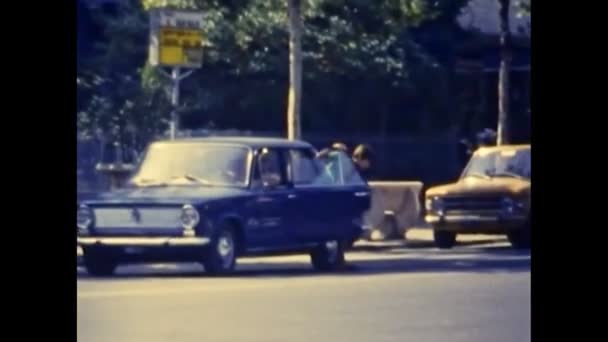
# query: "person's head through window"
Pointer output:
{"type": "Point", "coordinates": [363, 157]}
{"type": "Point", "coordinates": [268, 167]}
{"type": "Point", "coordinates": [339, 146]}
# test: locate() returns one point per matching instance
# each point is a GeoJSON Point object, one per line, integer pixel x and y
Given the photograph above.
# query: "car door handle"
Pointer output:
{"type": "Point", "coordinates": [264, 199]}
{"type": "Point", "coordinates": [292, 196]}
{"type": "Point", "coordinates": [362, 194]}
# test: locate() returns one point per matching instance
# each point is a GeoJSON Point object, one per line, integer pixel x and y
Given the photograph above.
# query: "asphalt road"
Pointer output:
{"type": "Point", "coordinates": [479, 292]}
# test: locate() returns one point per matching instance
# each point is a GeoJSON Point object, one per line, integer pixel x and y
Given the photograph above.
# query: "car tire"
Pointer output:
{"type": "Point", "coordinates": [220, 256]}
{"type": "Point", "coordinates": [444, 239]}
{"type": "Point", "coordinates": [328, 256]}
{"type": "Point", "coordinates": [520, 239]}
{"type": "Point", "coordinates": [350, 243]}
{"type": "Point", "coordinates": [98, 263]}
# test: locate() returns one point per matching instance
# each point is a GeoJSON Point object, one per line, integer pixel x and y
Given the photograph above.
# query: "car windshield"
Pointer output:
{"type": "Point", "coordinates": [506, 163]}
{"type": "Point", "coordinates": [193, 163]}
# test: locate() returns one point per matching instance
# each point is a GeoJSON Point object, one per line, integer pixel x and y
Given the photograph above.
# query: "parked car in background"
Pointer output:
{"type": "Point", "coordinates": [491, 197]}
{"type": "Point", "coordinates": [212, 200]}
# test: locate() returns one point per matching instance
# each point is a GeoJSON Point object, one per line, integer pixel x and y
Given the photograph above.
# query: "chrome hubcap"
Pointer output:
{"type": "Point", "coordinates": [225, 249]}
{"type": "Point", "coordinates": [332, 250]}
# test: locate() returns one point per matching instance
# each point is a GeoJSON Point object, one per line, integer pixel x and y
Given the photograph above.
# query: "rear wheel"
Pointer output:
{"type": "Point", "coordinates": [220, 257]}
{"type": "Point", "coordinates": [444, 239]}
{"type": "Point", "coordinates": [98, 263]}
{"type": "Point", "coordinates": [350, 243]}
{"type": "Point", "coordinates": [328, 256]}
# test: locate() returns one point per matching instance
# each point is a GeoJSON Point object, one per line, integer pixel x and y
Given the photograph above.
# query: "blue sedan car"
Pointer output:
{"type": "Point", "coordinates": [212, 200]}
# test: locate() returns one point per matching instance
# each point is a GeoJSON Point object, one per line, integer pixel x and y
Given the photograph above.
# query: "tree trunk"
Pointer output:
{"type": "Point", "coordinates": [503, 77]}
{"type": "Point", "coordinates": [295, 69]}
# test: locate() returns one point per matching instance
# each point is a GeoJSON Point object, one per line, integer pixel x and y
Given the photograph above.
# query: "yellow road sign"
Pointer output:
{"type": "Point", "coordinates": [180, 46]}
{"type": "Point", "coordinates": [176, 38]}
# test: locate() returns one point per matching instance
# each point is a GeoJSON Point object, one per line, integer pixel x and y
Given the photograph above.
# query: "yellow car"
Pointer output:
{"type": "Point", "coordinates": [492, 196]}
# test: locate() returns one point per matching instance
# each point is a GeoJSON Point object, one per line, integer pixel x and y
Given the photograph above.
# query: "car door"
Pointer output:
{"type": "Point", "coordinates": [309, 208]}
{"type": "Point", "coordinates": [269, 185]}
{"type": "Point", "coordinates": [350, 193]}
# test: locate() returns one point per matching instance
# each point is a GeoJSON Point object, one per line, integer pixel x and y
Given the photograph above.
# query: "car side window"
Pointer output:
{"type": "Point", "coordinates": [267, 171]}
{"type": "Point", "coordinates": [338, 169]}
{"type": "Point", "coordinates": [520, 164]}
{"type": "Point", "coordinates": [302, 168]}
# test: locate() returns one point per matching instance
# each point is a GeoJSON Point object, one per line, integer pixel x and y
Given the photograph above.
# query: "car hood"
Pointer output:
{"type": "Point", "coordinates": [479, 186]}
{"type": "Point", "coordinates": [164, 195]}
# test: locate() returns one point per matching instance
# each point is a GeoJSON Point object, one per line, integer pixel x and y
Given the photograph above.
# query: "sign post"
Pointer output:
{"type": "Point", "coordinates": [176, 42]}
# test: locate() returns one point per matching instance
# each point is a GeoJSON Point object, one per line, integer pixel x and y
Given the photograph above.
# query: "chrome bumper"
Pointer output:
{"type": "Point", "coordinates": [142, 241]}
{"type": "Point", "coordinates": [366, 227]}
{"type": "Point", "coordinates": [470, 218]}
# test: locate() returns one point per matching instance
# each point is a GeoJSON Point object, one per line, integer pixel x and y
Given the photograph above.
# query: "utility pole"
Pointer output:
{"type": "Point", "coordinates": [176, 77]}
{"type": "Point", "coordinates": [294, 100]}
{"type": "Point", "coordinates": [174, 125]}
{"type": "Point", "coordinates": [503, 130]}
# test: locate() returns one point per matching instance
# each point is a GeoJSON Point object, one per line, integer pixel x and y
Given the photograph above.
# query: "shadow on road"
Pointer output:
{"type": "Point", "coordinates": [499, 259]}
{"type": "Point", "coordinates": [415, 265]}
{"type": "Point", "coordinates": [421, 244]}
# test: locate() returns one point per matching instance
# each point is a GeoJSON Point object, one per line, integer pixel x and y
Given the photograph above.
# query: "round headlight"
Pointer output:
{"type": "Point", "coordinates": [189, 217]}
{"type": "Point", "coordinates": [84, 217]}
{"type": "Point", "coordinates": [434, 204]}
{"type": "Point", "coordinates": [510, 205]}
{"type": "Point", "coordinates": [438, 204]}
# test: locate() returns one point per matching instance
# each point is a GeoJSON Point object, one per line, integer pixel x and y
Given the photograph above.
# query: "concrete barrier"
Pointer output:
{"type": "Point", "coordinates": [395, 207]}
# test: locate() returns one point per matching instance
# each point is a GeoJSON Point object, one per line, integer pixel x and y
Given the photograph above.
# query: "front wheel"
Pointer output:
{"type": "Point", "coordinates": [444, 239]}
{"type": "Point", "coordinates": [220, 257]}
{"type": "Point", "coordinates": [98, 263]}
{"type": "Point", "coordinates": [328, 256]}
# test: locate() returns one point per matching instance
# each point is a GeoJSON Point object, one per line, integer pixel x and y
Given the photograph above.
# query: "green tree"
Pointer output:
{"type": "Point", "coordinates": [110, 96]}
{"type": "Point", "coordinates": [363, 60]}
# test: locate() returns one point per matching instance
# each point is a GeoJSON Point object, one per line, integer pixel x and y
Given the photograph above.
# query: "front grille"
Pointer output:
{"type": "Point", "coordinates": [167, 218]}
{"type": "Point", "coordinates": [455, 204]}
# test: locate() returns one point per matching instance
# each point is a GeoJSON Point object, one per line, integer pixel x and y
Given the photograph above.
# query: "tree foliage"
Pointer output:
{"type": "Point", "coordinates": [363, 59]}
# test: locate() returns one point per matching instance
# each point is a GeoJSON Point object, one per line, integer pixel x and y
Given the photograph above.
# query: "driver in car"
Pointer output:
{"type": "Point", "coordinates": [269, 172]}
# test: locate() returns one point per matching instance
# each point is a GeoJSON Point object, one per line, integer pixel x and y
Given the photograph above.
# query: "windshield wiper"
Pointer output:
{"type": "Point", "coordinates": [192, 179]}
{"type": "Point", "coordinates": [478, 175]}
{"type": "Point", "coordinates": [147, 182]}
{"type": "Point", "coordinates": [508, 174]}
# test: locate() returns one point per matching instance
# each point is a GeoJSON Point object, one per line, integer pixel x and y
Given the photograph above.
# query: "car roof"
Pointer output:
{"type": "Point", "coordinates": [489, 149]}
{"type": "Point", "coordinates": [254, 142]}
